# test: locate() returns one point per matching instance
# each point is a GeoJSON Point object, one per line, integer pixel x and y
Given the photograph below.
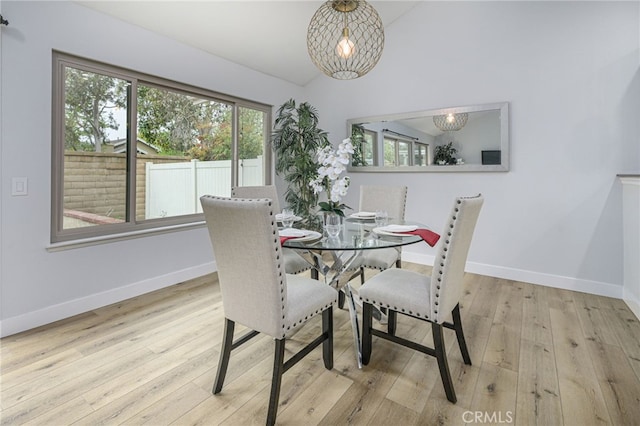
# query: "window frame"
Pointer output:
{"type": "Point", "coordinates": [60, 61]}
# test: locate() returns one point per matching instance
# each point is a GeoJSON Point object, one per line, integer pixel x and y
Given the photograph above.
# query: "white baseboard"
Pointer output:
{"type": "Point", "coordinates": [632, 302]}
{"type": "Point", "coordinates": [50, 314]}
{"type": "Point", "coordinates": [548, 280]}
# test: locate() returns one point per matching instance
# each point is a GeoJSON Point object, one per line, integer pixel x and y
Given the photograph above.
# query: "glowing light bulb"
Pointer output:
{"type": "Point", "coordinates": [345, 48]}
{"type": "Point", "coordinates": [451, 118]}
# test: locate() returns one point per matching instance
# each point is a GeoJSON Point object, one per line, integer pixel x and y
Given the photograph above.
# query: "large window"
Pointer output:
{"type": "Point", "coordinates": [133, 152]}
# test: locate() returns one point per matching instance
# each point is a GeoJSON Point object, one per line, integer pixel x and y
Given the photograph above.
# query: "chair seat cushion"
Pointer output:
{"type": "Point", "coordinates": [294, 263]}
{"type": "Point", "coordinates": [376, 259]}
{"type": "Point", "coordinates": [403, 291]}
{"type": "Point", "coordinates": [305, 298]}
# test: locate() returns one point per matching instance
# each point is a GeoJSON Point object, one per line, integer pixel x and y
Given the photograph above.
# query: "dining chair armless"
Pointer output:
{"type": "Point", "coordinates": [429, 298]}
{"type": "Point", "coordinates": [294, 263]}
{"type": "Point", "coordinates": [393, 200]}
{"type": "Point", "coordinates": [256, 291]}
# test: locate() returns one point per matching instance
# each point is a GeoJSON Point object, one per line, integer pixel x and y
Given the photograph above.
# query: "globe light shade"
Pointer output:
{"type": "Point", "coordinates": [345, 38]}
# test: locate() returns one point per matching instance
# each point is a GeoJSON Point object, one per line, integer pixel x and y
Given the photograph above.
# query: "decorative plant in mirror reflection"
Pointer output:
{"type": "Point", "coordinates": [444, 154]}
{"type": "Point", "coordinates": [332, 165]}
{"type": "Point", "coordinates": [357, 140]}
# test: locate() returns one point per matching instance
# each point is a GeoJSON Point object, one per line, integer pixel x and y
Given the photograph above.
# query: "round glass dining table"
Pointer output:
{"type": "Point", "coordinates": [333, 257]}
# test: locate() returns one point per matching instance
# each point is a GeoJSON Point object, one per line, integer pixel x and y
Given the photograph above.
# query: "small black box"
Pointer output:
{"type": "Point", "coordinates": [491, 157]}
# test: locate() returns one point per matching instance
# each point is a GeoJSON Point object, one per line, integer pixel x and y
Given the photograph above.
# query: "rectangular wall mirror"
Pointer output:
{"type": "Point", "coordinates": [458, 139]}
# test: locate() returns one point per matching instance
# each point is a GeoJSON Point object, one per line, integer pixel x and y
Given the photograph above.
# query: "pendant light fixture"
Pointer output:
{"type": "Point", "coordinates": [345, 38]}
{"type": "Point", "coordinates": [451, 122]}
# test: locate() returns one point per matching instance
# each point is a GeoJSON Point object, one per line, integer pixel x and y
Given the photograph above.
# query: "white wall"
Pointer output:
{"type": "Point", "coordinates": [37, 286]}
{"type": "Point", "coordinates": [570, 73]}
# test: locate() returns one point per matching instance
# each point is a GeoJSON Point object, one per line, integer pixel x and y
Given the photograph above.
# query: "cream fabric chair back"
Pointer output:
{"type": "Point", "coordinates": [265, 191]}
{"type": "Point", "coordinates": [392, 199]}
{"type": "Point", "coordinates": [248, 256]}
{"type": "Point", "coordinates": [448, 268]}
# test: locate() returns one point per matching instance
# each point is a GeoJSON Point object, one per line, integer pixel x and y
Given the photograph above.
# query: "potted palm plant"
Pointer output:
{"type": "Point", "coordinates": [295, 141]}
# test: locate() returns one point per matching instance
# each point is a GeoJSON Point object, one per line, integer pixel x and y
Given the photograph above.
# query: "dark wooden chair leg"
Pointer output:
{"type": "Point", "coordinates": [392, 320]}
{"type": "Point", "coordinates": [443, 365]}
{"type": "Point", "coordinates": [361, 275]}
{"type": "Point", "coordinates": [341, 299]}
{"type": "Point", "coordinates": [327, 345]}
{"type": "Point", "coordinates": [225, 354]}
{"type": "Point", "coordinates": [457, 326]}
{"type": "Point", "coordinates": [314, 273]}
{"type": "Point", "coordinates": [367, 321]}
{"type": "Point", "coordinates": [276, 381]}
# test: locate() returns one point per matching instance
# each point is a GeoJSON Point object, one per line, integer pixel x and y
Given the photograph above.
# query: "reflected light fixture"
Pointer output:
{"type": "Point", "coordinates": [451, 121]}
{"type": "Point", "coordinates": [345, 38]}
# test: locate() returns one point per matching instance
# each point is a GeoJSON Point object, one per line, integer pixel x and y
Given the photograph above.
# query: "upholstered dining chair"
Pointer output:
{"type": "Point", "coordinates": [294, 263]}
{"type": "Point", "coordinates": [256, 291]}
{"type": "Point", "coordinates": [393, 200]}
{"type": "Point", "coordinates": [429, 298]}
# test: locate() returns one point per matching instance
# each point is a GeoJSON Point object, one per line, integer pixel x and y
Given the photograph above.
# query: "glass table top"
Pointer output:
{"type": "Point", "coordinates": [357, 235]}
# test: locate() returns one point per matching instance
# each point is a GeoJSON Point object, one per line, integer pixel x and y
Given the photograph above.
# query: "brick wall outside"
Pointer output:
{"type": "Point", "coordinates": [95, 182]}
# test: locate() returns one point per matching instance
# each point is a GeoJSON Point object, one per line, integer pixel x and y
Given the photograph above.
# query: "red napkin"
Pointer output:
{"type": "Point", "coordinates": [283, 239]}
{"type": "Point", "coordinates": [427, 235]}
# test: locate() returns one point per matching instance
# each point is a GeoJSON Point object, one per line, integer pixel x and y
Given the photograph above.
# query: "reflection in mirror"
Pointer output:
{"type": "Point", "coordinates": [471, 138]}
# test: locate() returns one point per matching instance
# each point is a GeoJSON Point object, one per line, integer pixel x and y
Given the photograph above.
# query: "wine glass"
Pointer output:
{"type": "Point", "coordinates": [288, 218]}
{"type": "Point", "coordinates": [381, 218]}
{"type": "Point", "coordinates": [332, 225]}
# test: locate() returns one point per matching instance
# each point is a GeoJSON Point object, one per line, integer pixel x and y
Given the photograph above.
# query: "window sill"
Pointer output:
{"type": "Point", "coordinates": [107, 239]}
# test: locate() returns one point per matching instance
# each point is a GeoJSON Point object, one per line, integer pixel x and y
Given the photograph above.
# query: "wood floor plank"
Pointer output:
{"type": "Point", "coordinates": [390, 412]}
{"type": "Point", "coordinates": [171, 407]}
{"type": "Point", "coordinates": [627, 328]}
{"type": "Point", "coordinates": [581, 396]}
{"type": "Point", "coordinates": [536, 324]}
{"type": "Point", "coordinates": [594, 326]}
{"type": "Point", "coordinates": [314, 402]}
{"type": "Point", "coordinates": [495, 392]}
{"type": "Point", "coordinates": [620, 386]}
{"type": "Point", "coordinates": [503, 347]}
{"type": "Point", "coordinates": [538, 397]}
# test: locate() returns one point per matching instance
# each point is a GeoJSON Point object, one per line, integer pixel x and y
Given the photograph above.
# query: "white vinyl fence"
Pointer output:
{"type": "Point", "coordinates": [174, 189]}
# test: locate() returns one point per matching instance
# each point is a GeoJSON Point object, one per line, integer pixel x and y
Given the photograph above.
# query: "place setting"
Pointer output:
{"type": "Point", "coordinates": [394, 230]}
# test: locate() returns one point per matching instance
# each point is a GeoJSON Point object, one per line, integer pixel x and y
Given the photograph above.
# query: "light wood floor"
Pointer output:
{"type": "Point", "coordinates": [540, 356]}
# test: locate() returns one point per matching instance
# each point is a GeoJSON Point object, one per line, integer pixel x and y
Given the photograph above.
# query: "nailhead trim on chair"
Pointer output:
{"type": "Point", "coordinates": [415, 314]}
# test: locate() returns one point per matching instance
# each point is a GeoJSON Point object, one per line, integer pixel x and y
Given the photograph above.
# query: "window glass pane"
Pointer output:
{"type": "Point", "coordinates": [420, 155]}
{"type": "Point", "coordinates": [184, 152]}
{"type": "Point", "coordinates": [368, 151]}
{"type": "Point", "coordinates": [403, 153]}
{"type": "Point", "coordinates": [251, 137]}
{"type": "Point", "coordinates": [95, 154]}
{"type": "Point", "coordinates": [389, 152]}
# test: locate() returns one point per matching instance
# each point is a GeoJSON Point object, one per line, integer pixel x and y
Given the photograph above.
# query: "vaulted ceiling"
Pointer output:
{"type": "Point", "coordinates": [266, 36]}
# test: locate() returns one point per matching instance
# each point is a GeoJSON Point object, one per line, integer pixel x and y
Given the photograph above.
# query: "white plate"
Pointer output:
{"type": "Point", "coordinates": [311, 236]}
{"type": "Point", "coordinates": [300, 234]}
{"type": "Point", "coordinates": [363, 215]}
{"type": "Point", "coordinates": [293, 232]}
{"type": "Point", "coordinates": [279, 217]}
{"type": "Point", "coordinates": [394, 230]}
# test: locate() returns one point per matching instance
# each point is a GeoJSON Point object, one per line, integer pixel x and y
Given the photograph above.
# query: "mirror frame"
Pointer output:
{"type": "Point", "coordinates": [503, 107]}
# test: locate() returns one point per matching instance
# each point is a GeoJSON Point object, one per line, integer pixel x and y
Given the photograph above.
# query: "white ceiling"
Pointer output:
{"type": "Point", "coordinates": [267, 36]}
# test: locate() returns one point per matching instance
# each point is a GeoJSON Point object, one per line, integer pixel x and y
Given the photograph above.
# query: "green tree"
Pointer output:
{"type": "Point", "coordinates": [90, 100]}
